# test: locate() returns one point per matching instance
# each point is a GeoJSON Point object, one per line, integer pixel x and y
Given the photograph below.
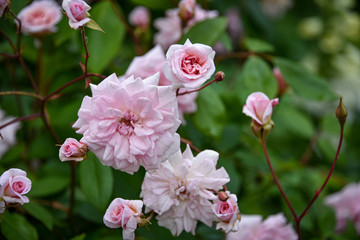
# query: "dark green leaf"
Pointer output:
{"type": "Point", "coordinates": [158, 4]}
{"type": "Point", "coordinates": [96, 181]}
{"type": "Point", "coordinates": [15, 227]}
{"type": "Point", "coordinates": [257, 45]}
{"type": "Point", "coordinates": [103, 47]}
{"type": "Point", "coordinates": [48, 186]}
{"type": "Point", "coordinates": [304, 83]}
{"type": "Point", "coordinates": [79, 237]}
{"type": "Point", "coordinates": [40, 213]}
{"type": "Point", "coordinates": [206, 32]}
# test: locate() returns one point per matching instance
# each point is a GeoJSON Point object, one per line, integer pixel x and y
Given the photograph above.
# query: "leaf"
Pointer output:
{"type": "Point", "coordinates": [16, 227]}
{"type": "Point", "coordinates": [256, 76]}
{"type": "Point", "coordinates": [93, 25]}
{"type": "Point", "coordinates": [304, 83]}
{"type": "Point", "coordinates": [96, 182]}
{"type": "Point", "coordinates": [210, 117]}
{"type": "Point", "coordinates": [40, 213]}
{"type": "Point", "coordinates": [48, 186]}
{"type": "Point", "coordinates": [257, 45]}
{"type": "Point", "coordinates": [104, 47]}
{"type": "Point", "coordinates": [207, 31]}
{"type": "Point", "coordinates": [79, 237]}
{"type": "Point", "coordinates": [157, 4]}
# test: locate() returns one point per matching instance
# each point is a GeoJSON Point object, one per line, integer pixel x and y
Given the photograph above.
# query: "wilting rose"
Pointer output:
{"type": "Point", "coordinates": [72, 149]}
{"type": "Point", "coordinates": [76, 12]}
{"type": "Point", "coordinates": [14, 185]}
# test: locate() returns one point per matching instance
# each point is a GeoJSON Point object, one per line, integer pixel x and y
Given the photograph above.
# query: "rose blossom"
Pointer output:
{"type": "Point", "coordinates": [346, 205]}
{"type": "Point", "coordinates": [130, 122]}
{"type": "Point", "coordinates": [71, 149]}
{"type": "Point", "coordinates": [187, 9]}
{"type": "Point", "coordinates": [125, 214]}
{"type": "Point", "coordinates": [40, 17]}
{"type": "Point", "coordinates": [180, 190]}
{"type": "Point", "coordinates": [189, 65]}
{"type": "Point", "coordinates": [13, 185]}
{"type": "Point", "coordinates": [259, 107]}
{"type": "Point", "coordinates": [227, 212]}
{"type": "Point", "coordinates": [274, 227]}
{"type": "Point", "coordinates": [8, 133]}
{"type": "Point", "coordinates": [169, 27]}
{"type": "Point", "coordinates": [3, 5]}
{"type": "Point", "coordinates": [140, 17]}
{"type": "Point", "coordinates": [76, 12]}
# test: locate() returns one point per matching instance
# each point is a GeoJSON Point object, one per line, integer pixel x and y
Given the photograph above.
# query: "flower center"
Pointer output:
{"type": "Point", "coordinates": [181, 191]}
{"type": "Point", "coordinates": [18, 186]}
{"type": "Point", "coordinates": [126, 124]}
{"type": "Point", "coordinates": [192, 65]}
{"type": "Point", "coordinates": [77, 10]}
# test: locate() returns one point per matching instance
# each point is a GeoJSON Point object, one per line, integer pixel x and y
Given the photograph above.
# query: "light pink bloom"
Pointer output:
{"type": "Point", "coordinates": [346, 205]}
{"type": "Point", "coordinates": [187, 9]}
{"type": "Point", "coordinates": [227, 213]}
{"type": "Point", "coordinates": [274, 227]}
{"type": "Point", "coordinates": [189, 65]}
{"type": "Point", "coordinates": [72, 150]}
{"type": "Point", "coordinates": [170, 29]}
{"type": "Point", "coordinates": [76, 12]}
{"type": "Point", "coordinates": [8, 133]}
{"type": "Point", "coordinates": [131, 122]}
{"type": "Point", "coordinates": [259, 107]}
{"type": "Point", "coordinates": [140, 17]}
{"type": "Point", "coordinates": [201, 15]}
{"type": "Point", "coordinates": [40, 17]}
{"type": "Point", "coordinates": [125, 214]}
{"type": "Point", "coordinates": [3, 5]}
{"type": "Point", "coordinates": [13, 185]}
{"type": "Point", "coordinates": [179, 190]}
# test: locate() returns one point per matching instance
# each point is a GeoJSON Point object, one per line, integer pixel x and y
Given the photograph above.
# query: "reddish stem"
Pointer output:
{"type": "Point", "coordinates": [196, 90]}
{"type": "Point", "coordinates": [183, 140]}
{"type": "Point", "coordinates": [22, 118]}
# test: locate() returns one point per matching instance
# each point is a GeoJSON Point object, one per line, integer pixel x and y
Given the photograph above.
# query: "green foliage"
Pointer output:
{"type": "Point", "coordinates": [16, 227]}
{"type": "Point", "coordinates": [40, 213]}
{"type": "Point", "coordinates": [257, 45]}
{"type": "Point", "coordinates": [49, 185]}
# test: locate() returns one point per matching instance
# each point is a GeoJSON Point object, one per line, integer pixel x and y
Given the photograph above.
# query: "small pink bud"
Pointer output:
{"type": "Point", "coordinates": [223, 196]}
{"type": "Point", "coordinates": [219, 76]}
{"type": "Point", "coordinates": [186, 9]}
{"type": "Point", "coordinates": [140, 17]}
{"type": "Point", "coordinates": [341, 113]}
{"type": "Point", "coordinates": [72, 150]}
{"type": "Point", "coordinates": [282, 85]}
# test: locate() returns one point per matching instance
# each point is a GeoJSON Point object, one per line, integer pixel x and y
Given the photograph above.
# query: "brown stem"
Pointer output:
{"type": "Point", "coordinates": [183, 140]}
{"type": "Point", "coordinates": [22, 118]}
{"type": "Point", "coordinates": [86, 49]}
{"type": "Point", "coordinates": [196, 90]}
{"type": "Point", "coordinates": [21, 93]}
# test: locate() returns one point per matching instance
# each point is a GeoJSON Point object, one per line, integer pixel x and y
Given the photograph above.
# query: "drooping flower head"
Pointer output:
{"type": "Point", "coordinates": [189, 65]}
{"type": "Point", "coordinates": [130, 122]}
{"type": "Point", "coordinates": [125, 214]}
{"type": "Point", "coordinates": [72, 150]}
{"type": "Point", "coordinates": [179, 191]}
{"type": "Point", "coordinates": [274, 227]}
{"type": "Point", "coordinates": [40, 17]}
{"type": "Point", "coordinates": [346, 206]}
{"type": "Point", "coordinates": [14, 185]}
{"type": "Point", "coordinates": [140, 17]}
{"type": "Point", "coordinates": [76, 12]}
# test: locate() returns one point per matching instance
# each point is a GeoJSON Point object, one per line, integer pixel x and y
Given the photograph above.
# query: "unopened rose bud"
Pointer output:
{"type": "Point", "coordinates": [72, 150]}
{"type": "Point", "coordinates": [186, 9]}
{"type": "Point", "coordinates": [341, 113]}
{"type": "Point", "coordinates": [140, 17]}
{"type": "Point", "coordinates": [223, 196]}
{"type": "Point", "coordinates": [282, 85]}
{"type": "Point", "coordinates": [219, 76]}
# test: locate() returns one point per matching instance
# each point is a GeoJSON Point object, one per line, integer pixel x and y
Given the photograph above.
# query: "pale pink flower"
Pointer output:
{"type": "Point", "coordinates": [346, 206]}
{"type": "Point", "coordinates": [76, 12]}
{"type": "Point", "coordinates": [259, 107]}
{"type": "Point", "coordinates": [189, 65]}
{"type": "Point", "coordinates": [72, 150]}
{"type": "Point", "coordinates": [40, 17]}
{"type": "Point", "coordinates": [187, 9]}
{"type": "Point", "coordinates": [227, 213]}
{"type": "Point", "coordinates": [180, 190]}
{"type": "Point", "coordinates": [274, 227]}
{"type": "Point", "coordinates": [170, 29]}
{"type": "Point", "coordinates": [131, 122]}
{"type": "Point", "coordinates": [125, 214]}
{"type": "Point", "coordinates": [201, 15]}
{"type": "Point", "coordinates": [3, 5]}
{"type": "Point", "coordinates": [8, 133]}
{"type": "Point", "coordinates": [14, 185]}
{"type": "Point", "coordinates": [140, 17]}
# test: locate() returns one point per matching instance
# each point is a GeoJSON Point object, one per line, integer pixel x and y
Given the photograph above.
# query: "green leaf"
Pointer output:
{"type": "Point", "coordinates": [304, 83]}
{"type": "Point", "coordinates": [206, 32]}
{"type": "Point", "coordinates": [210, 117]}
{"type": "Point", "coordinates": [104, 47]}
{"type": "Point", "coordinates": [79, 237]}
{"type": "Point", "coordinates": [16, 227]}
{"type": "Point", "coordinates": [158, 4]}
{"type": "Point", "coordinates": [96, 182]}
{"type": "Point", "coordinates": [48, 186]}
{"type": "Point", "coordinates": [40, 213]}
{"type": "Point", "coordinates": [93, 25]}
{"type": "Point", "coordinates": [256, 76]}
{"type": "Point", "coordinates": [257, 45]}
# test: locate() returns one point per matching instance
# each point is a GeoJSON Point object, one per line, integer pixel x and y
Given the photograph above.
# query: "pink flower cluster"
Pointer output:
{"type": "Point", "coordinates": [346, 205]}
{"type": "Point", "coordinates": [273, 227]}
{"type": "Point", "coordinates": [76, 12]}
{"type": "Point", "coordinates": [13, 186]}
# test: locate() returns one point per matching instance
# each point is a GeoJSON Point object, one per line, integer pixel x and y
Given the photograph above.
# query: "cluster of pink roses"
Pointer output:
{"type": "Point", "coordinates": [13, 186]}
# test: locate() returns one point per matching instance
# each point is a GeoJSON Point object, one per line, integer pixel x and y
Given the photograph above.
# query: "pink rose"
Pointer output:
{"type": "Point", "coordinates": [40, 17]}
{"type": "Point", "coordinates": [189, 65]}
{"type": "Point", "coordinates": [125, 214]}
{"type": "Point", "coordinates": [140, 17]}
{"type": "Point", "coordinates": [259, 107]}
{"type": "Point", "coordinates": [227, 212]}
{"type": "Point", "coordinates": [13, 185]}
{"type": "Point", "coordinates": [170, 29]}
{"type": "Point", "coordinates": [76, 12]}
{"type": "Point", "coordinates": [71, 149]}
{"type": "Point", "coordinates": [3, 5]}
{"type": "Point", "coordinates": [187, 9]}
